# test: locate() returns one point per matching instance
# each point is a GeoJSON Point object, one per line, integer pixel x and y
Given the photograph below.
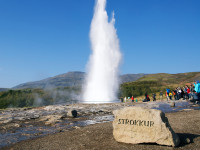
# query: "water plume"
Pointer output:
{"type": "Point", "coordinates": [102, 79]}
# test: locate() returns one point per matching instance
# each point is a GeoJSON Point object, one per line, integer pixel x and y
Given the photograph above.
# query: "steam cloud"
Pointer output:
{"type": "Point", "coordinates": [52, 96]}
{"type": "Point", "coordinates": [102, 79]}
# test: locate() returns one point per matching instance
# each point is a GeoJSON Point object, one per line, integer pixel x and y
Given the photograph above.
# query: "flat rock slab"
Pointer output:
{"type": "Point", "coordinates": [139, 125]}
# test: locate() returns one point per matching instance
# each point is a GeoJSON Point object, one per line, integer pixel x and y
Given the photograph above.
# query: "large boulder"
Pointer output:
{"type": "Point", "coordinates": [139, 125]}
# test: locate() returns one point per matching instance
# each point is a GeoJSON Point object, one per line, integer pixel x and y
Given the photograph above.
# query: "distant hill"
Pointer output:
{"type": "Point", "coordinates": [130, 77]}
{"type": "Point", "coordinates": [3, 89]}
{"type": "Point", "coordinates": [70, 79]}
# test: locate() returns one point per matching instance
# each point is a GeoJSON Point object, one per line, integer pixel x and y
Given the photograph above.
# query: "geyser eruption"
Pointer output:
{"type": "Point", "coordinates": [102, 79]}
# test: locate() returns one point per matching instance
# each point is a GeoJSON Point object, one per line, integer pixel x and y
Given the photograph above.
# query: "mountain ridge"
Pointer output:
{"type": "Point", "coordinates": [70, 79]}
{"type": "Point", "coordinates": [77, 78]}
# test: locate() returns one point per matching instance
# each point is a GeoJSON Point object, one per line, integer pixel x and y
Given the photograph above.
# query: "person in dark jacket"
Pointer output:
{"type": "Point", "coordinates": [191, 96]}
{"type": "Point", "coordinates": [161, 95]}
{"type": "Point", "coordinates": [146, 95]}
{"type": "Point", "coordinates": [146, 98]}
{"type": "Point", "coordinates": [182, 93]}
{"type": "Point", "coordinates": [154, 96]}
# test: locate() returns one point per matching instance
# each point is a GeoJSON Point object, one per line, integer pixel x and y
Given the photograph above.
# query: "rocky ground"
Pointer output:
{"type": "Point", "coordinates": [15, 117]}
{"type": "Point", "coordinates": [99, 136]}
{"type": "Point", "coordinates": [15, 121]}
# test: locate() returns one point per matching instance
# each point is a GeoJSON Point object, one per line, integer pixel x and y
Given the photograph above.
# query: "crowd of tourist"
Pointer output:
{"type": "Point", "coordinates": [188, 92]}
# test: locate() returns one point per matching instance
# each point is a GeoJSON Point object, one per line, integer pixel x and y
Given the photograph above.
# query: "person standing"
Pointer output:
{"type": "Point", "coordinates": [179, 91]}
{"type": "Point", "coordinates": [161, 95]}
{"type": "Point", "coordinates": [197, 86]}
{"type": "Point", "coordinates": [188, 92]}
{"type": "Point", "coordinates": [175, 94]}
{"type": "Point", "coordinates": [170, 95]}
{"type": "Point", "coordinates": [182, 93]}
{"type": "Point", "coordinates": [154, 96]}
{"type": "Point", "coordinates": [185, 92]}
{"type": "Point", "coordinates": [125, 99]}
{"type": "Point", "coordinates": [146, 96]}
{"type": "Point", "coordinates": [191, 96]}
{"type": "Point", "coordinates": [132, 98]}
{"type": "Point", "coordinates": [197, 90]}
{"type": "Point", "coordinates": [167, 93]}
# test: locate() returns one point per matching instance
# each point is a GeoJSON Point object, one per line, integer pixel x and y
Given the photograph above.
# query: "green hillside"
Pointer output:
{"type": "Point", "coordinates": [153, 83]}
{"type": "Point", "coordinates": [172, 78]}
{"type": "Point", "coordinates": [37, 97]}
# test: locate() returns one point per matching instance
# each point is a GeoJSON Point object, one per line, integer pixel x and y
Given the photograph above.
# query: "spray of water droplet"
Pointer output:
{"type": "Point", "coordinates": [103, 68]}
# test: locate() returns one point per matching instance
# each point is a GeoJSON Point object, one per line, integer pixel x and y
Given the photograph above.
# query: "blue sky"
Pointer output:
{"type": "Point", "coordinates": [44, 38]}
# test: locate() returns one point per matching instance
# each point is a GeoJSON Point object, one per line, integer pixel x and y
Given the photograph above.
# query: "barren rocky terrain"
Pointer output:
{"type": "Point", "coordinates": [91, 129]}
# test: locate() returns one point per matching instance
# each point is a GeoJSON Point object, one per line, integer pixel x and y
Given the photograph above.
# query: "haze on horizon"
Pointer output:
{"type": "Point", "coordinates": [41, 39]}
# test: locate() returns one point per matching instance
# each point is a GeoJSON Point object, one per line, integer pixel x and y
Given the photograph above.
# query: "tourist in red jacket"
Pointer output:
{"type": "Point", "coordinates": [132, 99]}
{"type": "Point", "coordinates": [188, 92]}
